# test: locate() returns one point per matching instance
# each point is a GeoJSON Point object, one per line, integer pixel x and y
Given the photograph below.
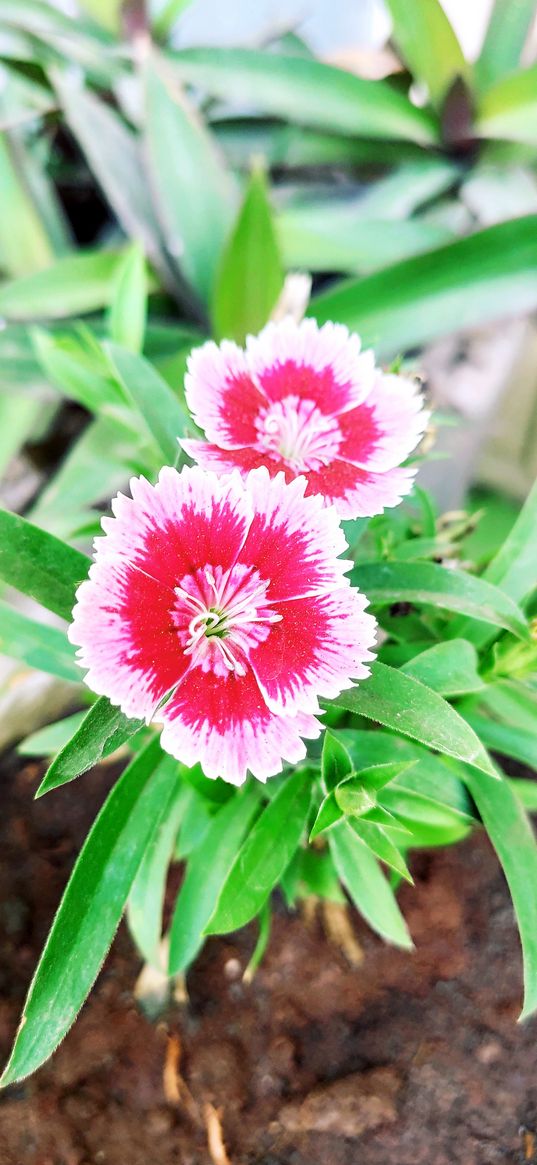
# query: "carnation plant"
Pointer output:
{"type": "Point", "coordinates": [305, 676]}
{"type": "Point", "coordinates": [305, 671]}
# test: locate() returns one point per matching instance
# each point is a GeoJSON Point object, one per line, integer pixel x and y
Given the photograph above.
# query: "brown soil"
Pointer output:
{"type": "Point", "coordinates": [404, 1060]}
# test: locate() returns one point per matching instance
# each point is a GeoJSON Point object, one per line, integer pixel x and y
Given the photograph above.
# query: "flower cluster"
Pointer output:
{"type": "Point", "coordinates": [218, 604]}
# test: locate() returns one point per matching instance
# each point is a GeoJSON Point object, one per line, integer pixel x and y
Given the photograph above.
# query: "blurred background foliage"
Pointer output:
{"type": "Point", "coordinates": [405, 183]}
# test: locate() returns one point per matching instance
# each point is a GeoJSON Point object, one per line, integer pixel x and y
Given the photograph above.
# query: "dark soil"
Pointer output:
{"type": "Point", "coordinates": [405, 1060]}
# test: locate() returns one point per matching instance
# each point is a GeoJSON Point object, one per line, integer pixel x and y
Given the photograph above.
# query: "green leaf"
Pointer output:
{"type": "Point", "coordinates": [70, 286]}
{"type": "Point", "coordinates": [329, 813]}
{"type": "Point", "coordinates": [378, 776]}
{"type": "Point", "coordinates": [21, 99]}
{"type": "Point", "coordinates": [76, 368]}
{"type": "Point", "coordinates": [192, 189]}
{"type": "Point", "coordinates": [353, 797]}
{"type": "Point", "coordinates": [327, 238]}
{"type": "Point", "coordinates": [406, 706]}
{"type": "Point", "coordinates": [526, 791]}
{"type": "Point", "coordinates": [24, 243]}
{"type": "Point", "coordinates": [113, 154]}
{"type": "Point", "coordinates": [102, 731]}
{"type": "Point", "coordinates": [250, 276]}
{"type": "Point", "coordinates": [264, 856]}
{"type": "Point", "coordinates": [450, 668]}
{"type": "Point", "coordinates": [512, 837]}
{"type": "Point", "coordinates": [426, 785]}
{"type": "Point", "coordinates": [50, 739]}
{"type": "Point", "coordinates": [382, 846]}
{"type": "Point", "coordinates": [505, 38]}
{"type": "Point", "coordinates": [513, 568]}
{"type": "Point", "coordinates": [361, 875]}
{"type": "Point", "coordinates": [128, 306]}
{"type": "Point", "coordinates": [39, 565]}
{"type": "Point", "coordinates": [146, 899]}
{"type": "Point", "coordinates": [91, 908]}
{"type": "Point", "coordinates": [508, 110]}
{"type": "Point", "coordinates": [306, 91]}
{"type": "Point", "coordinates": [430, 585]}
{"type": "Point", "coordinates": [208, 868]}
{"type": "Point", "coordinates": [427, 43]}
{"type": "Point", "coordinates": [36, 644]}
{"type": "Point", "coordinates": [519, 743]}
{"type": "Point", "coordinates": [159, 408]}
{"type": "Point", "coordinates": [165, 20]}
{"type": "Point", "coordinates": [487, 276]}
{"type": "Point", "coordinates": [335, 761]}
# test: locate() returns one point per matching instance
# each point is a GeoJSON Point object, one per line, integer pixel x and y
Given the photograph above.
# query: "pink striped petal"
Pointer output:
{"type": "Point", "coordinates": [324, 365]}
{"type": "Point", "coordinates": [123, 626]}
{"type": "Point", "coordinates": [219, 460]}
{"type": "Point", "coordinates": [183, 522]}
{"type": "Point", "coordinates": [221, 394]}
{"type": "Point", "coordinates": [226, 724]}
{"type": "Point", "coordinates": [358, 493]}
{"type": "Point", "coordinates": [320, 646]}
{"type": "Point", "coordinates": [382, 432]}
{"type": "Point", "coordinates": [293, 541]}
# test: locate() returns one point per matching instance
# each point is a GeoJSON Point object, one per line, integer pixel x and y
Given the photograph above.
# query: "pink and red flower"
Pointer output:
{"type": "Point", "coordinates": [220, 608]}
{"type": "Point", "coordinates": [306, 400]}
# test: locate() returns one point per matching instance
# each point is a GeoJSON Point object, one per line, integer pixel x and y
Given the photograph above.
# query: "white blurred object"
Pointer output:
{"type": "Point", "coordinates": [469, 22]}
{"type": "Point", "coordinates": [327, 26]}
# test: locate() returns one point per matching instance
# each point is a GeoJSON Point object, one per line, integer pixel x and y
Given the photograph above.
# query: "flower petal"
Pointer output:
{"type": "Point", "coordinates": [382, 432]}
{"type": "Point", "coordinates": [293, 541]}
{"type": "Point", "coordinates": [122, 623]}
{"type": "Point", "coordinates": [324, 365]}
{"type": "Point", "coordinates": [226, 726]}
{"type": "Point", "coordinates": [226, 460]}
{"type": "Point", "coordinates": [221, 395]}
{"type": "Point", "coordinates": [358, 493]}
{"type": "Point", "coordinates": [186, 520]}
{"type": "Point", "coordinates": [320, 646]}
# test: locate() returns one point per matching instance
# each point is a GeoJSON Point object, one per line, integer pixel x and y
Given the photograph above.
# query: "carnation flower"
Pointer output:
{"type": "Point", "coordinates": [306, 400]}
{"type": "Point", "coordinates": [220, 608]}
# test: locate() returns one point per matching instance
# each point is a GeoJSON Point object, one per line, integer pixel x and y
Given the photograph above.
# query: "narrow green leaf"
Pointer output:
{"type": "Point", "coordinates": [146, 899]}
{"type": "Point", "coordinates": [21, 99]}
{"type": "Point", "coordinates": [193, 191]}
{"type": "Point", "coordinates": [428, 44]}
{"type": "Point", "coordinates": [157, 405]}
{"type": "Point", "coordinates": [102, 731]}
{"type": "Point", "coordinates": [24, 243]}
{"type": "Point", "coordinates": [128, 306]}
{"type": "Point", "coordinates": [361, 875]}
{"type": "Point", "coordinates": [335, 761]}
{"type": "Point", "coordinates": [264, 856]}
{"type": "Point", "coordinates": [328, 815]}
{"type": "Point", "coordinates": [113, 154]}
{"type": "Point", "coordinates": [77, 370]}
{"type": "Point", "coordinates": [250, 276]}
{"type": "Point", "coordinates": [508, 110]}
{"type": "Point", "coordinates": [408, 707]}
{"type": "Point", "coordinates": [167, 17]}
{"type": "Point", "coordinates": [208, 868]}
{"type": "Point", "coordinates": [505, 38]}
{"type": "Point", "coordinates": [382, 846]}
{"type": "Point", "coordinates": [307, 91]}
{"type": "Point", "coordinates": [326, 238]}
{"type": "Point", "coordinates": [490, 275]}
{"type": "Point", "coordinates": [378, 776]}
{"type": "Point", "coordinates": [450, 668]}
{"type": "Point", "coordinates": [36, 644]}
{"type": "Point", "coordinates": [70, 286]}
{"type": "Point", "coordinates": [52, 737]}
{"type": "Point", "coordinates": [39, 565]}
{"type": "Point", "coordinates": [91, 908]}
{"type": "Point", "coordinates": [516, 742]}
{"type": "Point", "coordinates": [513, 568]}
{"type": "Point", "coordinates": [512, 837]}
{"type": "Point", "coordinates": [430, 585]}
